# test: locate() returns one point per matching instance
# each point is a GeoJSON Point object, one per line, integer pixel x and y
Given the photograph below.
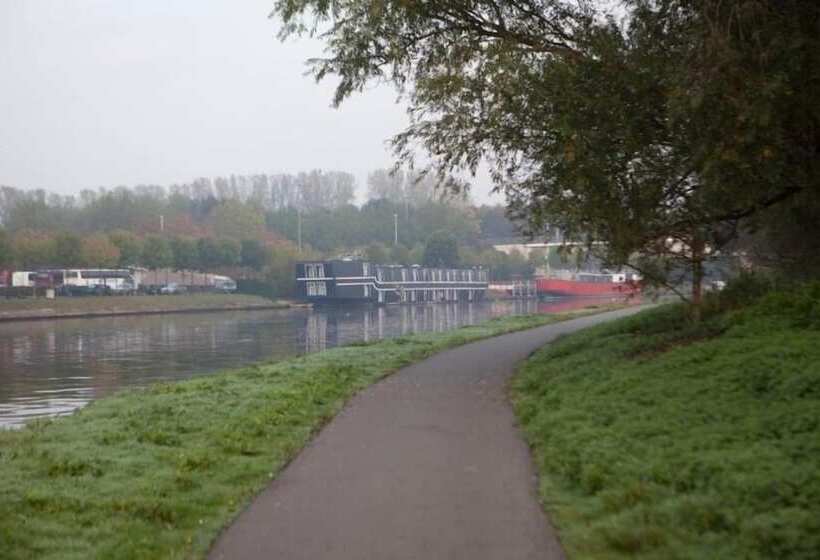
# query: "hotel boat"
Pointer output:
{"type": "Point", "coordinates": [351, 281]}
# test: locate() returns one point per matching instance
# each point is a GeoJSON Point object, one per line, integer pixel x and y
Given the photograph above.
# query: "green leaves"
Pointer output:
{"type": "Point", "coordinates": [679, 122]}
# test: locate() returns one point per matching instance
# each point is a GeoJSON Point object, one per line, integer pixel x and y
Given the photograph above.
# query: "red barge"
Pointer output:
{"type": "Point", "coordinates": [585, 284]}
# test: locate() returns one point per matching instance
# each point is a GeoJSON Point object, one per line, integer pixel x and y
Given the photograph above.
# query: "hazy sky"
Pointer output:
{"type": "Point", "coordinates": [122, 92]}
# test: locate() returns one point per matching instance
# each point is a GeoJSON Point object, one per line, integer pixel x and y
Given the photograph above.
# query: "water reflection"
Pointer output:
{"type": "Point", "coordinates": [54, 367]}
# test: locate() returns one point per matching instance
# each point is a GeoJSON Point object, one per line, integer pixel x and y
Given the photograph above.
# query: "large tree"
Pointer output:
{"type": "Point", "coordinates": [660, 133]}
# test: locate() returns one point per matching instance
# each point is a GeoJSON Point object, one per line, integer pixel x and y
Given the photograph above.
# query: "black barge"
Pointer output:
{"type": "Point", "coordinates": [354, 281]}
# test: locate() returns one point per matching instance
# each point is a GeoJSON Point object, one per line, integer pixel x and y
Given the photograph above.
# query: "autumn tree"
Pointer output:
{"type": "Point", "coordinates": [99, 251]}
{"type": "Point", "coordinates": [33, 249]}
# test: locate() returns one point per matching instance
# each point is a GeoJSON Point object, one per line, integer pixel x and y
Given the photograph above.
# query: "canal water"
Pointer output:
{"type": "Point", "coordinates": [50, 368]}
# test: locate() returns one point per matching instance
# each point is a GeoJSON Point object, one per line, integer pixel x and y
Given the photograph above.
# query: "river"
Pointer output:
{"type": "Point", "coordinates": [49, 368]}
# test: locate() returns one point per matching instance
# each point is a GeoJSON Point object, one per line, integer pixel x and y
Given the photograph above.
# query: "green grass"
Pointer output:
{"type": "Point", "coordinates": [157, 473]}
{"type": "Point", "coordinates": [659, 438]}
{"type": "Point", "coordinates": [119, 304]}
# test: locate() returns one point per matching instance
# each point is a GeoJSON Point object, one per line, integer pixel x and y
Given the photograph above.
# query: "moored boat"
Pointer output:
{"type": "Point", "coordinates": [586, 284]}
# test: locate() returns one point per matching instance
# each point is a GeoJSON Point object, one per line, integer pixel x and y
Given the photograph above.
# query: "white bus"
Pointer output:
{"type": "Point", "coordinates": [119, 281]}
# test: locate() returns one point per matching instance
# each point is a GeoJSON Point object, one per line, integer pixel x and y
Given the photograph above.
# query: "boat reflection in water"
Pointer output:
{"type": "Point", "coordinates": [50, 368]}
{"type": "Point", "coordinates": [340, 325]}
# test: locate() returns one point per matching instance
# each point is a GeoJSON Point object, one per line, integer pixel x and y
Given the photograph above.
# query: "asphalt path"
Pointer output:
{"type": "Point", "coordinates": [426, 464]}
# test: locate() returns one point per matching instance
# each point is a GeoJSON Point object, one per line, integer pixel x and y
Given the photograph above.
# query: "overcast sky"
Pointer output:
{"type": "Point", "coordinates": [123, 92]}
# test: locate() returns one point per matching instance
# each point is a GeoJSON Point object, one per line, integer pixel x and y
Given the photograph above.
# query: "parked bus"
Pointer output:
{"type": "Point", "coordinates": [99, 280]}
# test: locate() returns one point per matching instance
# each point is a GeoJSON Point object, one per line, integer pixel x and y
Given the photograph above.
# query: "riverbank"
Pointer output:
{"type": "Point", "coordinates": [157, 473]}
{"type": "Point", "coordinates": [659, 438]}
{"type": "Point", "coordinates": [107, 306]}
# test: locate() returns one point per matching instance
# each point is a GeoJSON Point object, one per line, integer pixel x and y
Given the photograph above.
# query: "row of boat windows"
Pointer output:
{"type": "Point", "coordinates": [403, 274]}
{"type": "Point", "coordinates": [394, 274]}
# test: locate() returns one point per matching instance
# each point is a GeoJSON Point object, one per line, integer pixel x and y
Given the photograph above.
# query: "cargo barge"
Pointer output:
{"type": "Point", "coordinates": [586, 284]}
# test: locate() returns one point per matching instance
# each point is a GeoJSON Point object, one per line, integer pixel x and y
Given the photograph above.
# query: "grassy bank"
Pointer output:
{"type": "Point", "coordinates": [659, 438]}
{"type": "Point", "coordinates": [157, 473]}
{"type": "Point", "coordinates": [71, 306]}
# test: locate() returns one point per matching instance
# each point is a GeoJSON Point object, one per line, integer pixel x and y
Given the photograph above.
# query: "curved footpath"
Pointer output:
{"type": "Point", "coordinates": [426, 464]}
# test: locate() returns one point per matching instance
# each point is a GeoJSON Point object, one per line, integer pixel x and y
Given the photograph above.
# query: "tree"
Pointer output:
{"type": "Point", "coordinates": [441, 250]}
{"type": "Point", "coordinates": [99, 251]}
{"type": "Point", "coordinates": [236, 220]}
{"type": "Point", "coordinates": [661, 135]}
{"type": "Point", "coordinates": [185, 253]}
{"type": "Point", "coordinates": [68, 250]}
{"type": "Point", "coordinates": [208, 256]}
{"type": "Point", "coordinates": [254, 254]}
{"type": "Point", "coordinates": [129, 245]}
{"type": "Point", "coordinates": [156, 253]}
{"type": "Point", "coordinates": [400, 254]}
{"type": "Point", "coordinates": [377, 253]}
{"type": "Point", "coordinates": [229, 252]}
{"type": "Point", "coordinates": [33, 249]}
{"type": "Point", "coordinates": [6, 250]}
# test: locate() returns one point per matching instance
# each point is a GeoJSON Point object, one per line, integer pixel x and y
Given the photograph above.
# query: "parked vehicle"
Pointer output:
{"type": "Point", "coordinates": [172, 288]}
{"type": "Point", "coordinates": [223, 284]}
{"type": "Point", "coordinates": [100, 281]}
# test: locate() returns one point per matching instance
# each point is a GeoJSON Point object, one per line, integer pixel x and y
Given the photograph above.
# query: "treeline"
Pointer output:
{"type": "Point", "coordinates": [253, 227]}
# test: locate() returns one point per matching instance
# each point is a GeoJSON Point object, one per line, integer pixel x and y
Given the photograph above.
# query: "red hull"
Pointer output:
{"type": "Point", "coordinates": [554, 287]}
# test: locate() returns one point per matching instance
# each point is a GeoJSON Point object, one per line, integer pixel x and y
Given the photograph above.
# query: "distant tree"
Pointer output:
{"type": "Point", "coordinates": [157, 253]}
{"type": "Point", "coordinates": [279, 274]}
{"type": "Point", "coordinates": [495, 224]}
{"type": "Point", "coordinates": [416, 255]}
{"type": "Point", "coordinates": [185, 253]}
{"type": "Point", "coordinates": [33, 249]}
{"type": "Point", "coordinates": [208, 256]}
{"type": "Point", "coordinates": [99, 251]}
{"type": "Point", "coordinates": [319, 189]}
{"type": "Point", "coordinates": [229, 251]}
{"type": "Point", "coordinates": [387, 185]}
{"type": "Point", "coordinates": [401, 255]}
{"type": "Point", "coordinates": [254, 254]}
{"type": "Point", "coordinates": [237, 220]}
{"type": "Point", "coordinates": [68, 250]}
{"type": "Point", "coordinates": [129, 245]}
{"type": "Point", "coordinates": [377, 253]}
{"type": "Point", "coordinates": [441, 250]}
{"type": "Point", "coordinates": [6, 250]}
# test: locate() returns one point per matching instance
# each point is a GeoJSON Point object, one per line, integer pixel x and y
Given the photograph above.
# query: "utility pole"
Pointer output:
{"type": "Point", "coordinates": [395, 229]}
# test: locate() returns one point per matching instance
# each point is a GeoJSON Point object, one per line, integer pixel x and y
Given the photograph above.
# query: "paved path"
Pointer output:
{"type": "Point", "coordinates": [425, 465]}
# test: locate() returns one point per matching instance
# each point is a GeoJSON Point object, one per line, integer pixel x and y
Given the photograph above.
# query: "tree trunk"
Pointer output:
{"type": "Point", "coordinates": [697, 276]}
